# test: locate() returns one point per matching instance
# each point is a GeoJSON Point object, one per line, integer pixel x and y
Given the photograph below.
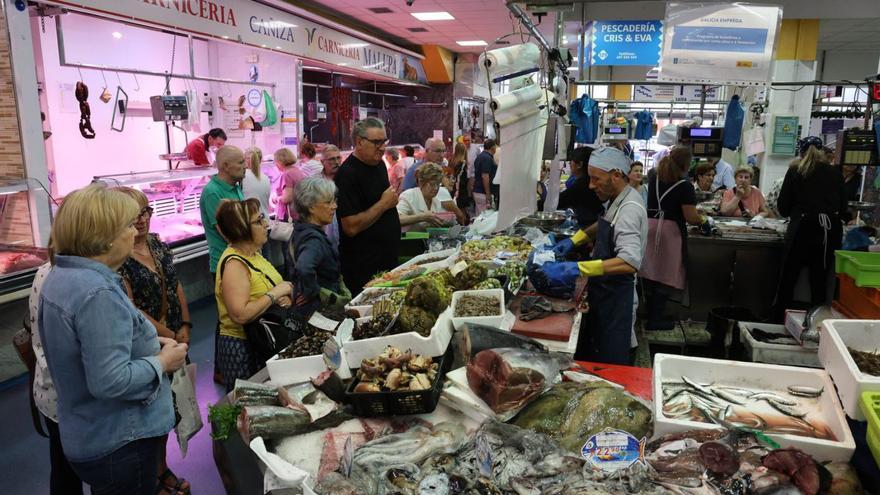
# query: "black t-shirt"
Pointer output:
{"type": "Point", "coordinates": [681, 193]}
{"type": "Point", "coordinates": [484, 164]}
{"type": "Point", "coordinates": [853, 187]}
{"type": "Point", "coordinates": [375, 249]}
{"type": "Point", "coordinates": [822, 192]}
{"type": "Point", "coordinates": [580, 198]}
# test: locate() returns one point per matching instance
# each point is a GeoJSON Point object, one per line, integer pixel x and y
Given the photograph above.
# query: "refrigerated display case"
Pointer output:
{"type": "Point", "coordinates": [19, 257]}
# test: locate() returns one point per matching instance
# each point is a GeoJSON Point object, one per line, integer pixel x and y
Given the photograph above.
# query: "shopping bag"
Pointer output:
{"type": "Point", "coordinates": [753, 141]}
{"type": "Point", "coordinates": [186, 407]}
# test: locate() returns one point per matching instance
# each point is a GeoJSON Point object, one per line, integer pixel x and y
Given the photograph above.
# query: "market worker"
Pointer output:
{"type": "Point", "coordinates": [197, 149]}
{"type": "Point", "coordinates": [745, 200]}
{"type": "Point", "coordinates": [578, 196]}
{"type": "Point", "coordinates": [813, 196]}
{"type": "Point", "coordinates": [619, 239]}
{"type": "Point", "coordinates": [485, 169]}
{"type": "Point", "coordinates": [368, 222]}
{"type": "Point", "coordinates": [704, 176]}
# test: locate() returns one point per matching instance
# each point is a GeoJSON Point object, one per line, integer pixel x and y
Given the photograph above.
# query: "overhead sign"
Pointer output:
{"type": "Point", "coordinates": [626, 43]}
{"type": "Point", "coordinates": [719, 43]}
{"type": "Point", "coordinates": [677, 93]}
{"type": "Point", "coordinates": [257, 25]}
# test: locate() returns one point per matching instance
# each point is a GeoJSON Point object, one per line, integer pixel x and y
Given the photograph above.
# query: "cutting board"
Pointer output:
{"type": "Point", "coordinates": [556, 326]}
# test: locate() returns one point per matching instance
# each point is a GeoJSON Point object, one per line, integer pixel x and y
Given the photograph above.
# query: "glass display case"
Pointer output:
{"type": "Point", "coordinates": [19, 257]}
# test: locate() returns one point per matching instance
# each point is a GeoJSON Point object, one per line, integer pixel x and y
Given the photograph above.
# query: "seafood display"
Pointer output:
{"type": "Point", "coordinates": [374, 327]}
{"type": "Point", "coordinates": [867, 362]}
{"type": "Point", "coordinates": [502, 246]}
{"type": "Point", "coordinates": [474, 338]}
{"type": "Point", "coordinates": [476, 305]}
{"type": "Point", "coordinates": [272, 421]}
{"type": "Point", "coordinates": [373, 296]}
{"type": "Point", "coordinates": [508, 378]}
{"type": "Point", "coordinates": [571, 412]}
{"type": "Point", "coordinates": [515, 272]}
{"type": "Point", "coordinates": [396, 277]}
{"type": "Point", "coordinates": [471, 276]}
{"type": "Point", "coordinates": [395, 370]}
{"type": "Point", "coordinates": [762, 410]}
{"type": "Point", "coordinates": [310, 344]}
{"type": "Point", "coordinates": [772, 338]}
{"type": "Point", "coordinates": [431, 259]}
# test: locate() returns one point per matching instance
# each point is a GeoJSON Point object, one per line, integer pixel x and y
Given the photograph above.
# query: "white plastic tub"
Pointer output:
{"type": "Point", "coordinates": [434, 345]}
{"type": "Point", "coordinates": [448, 254]}
{"type": "Point", "coordinates": [861, 335]}
{"type": "Point", "coordinates": [302, 369]}
{"type": "Point", "coordinates": [764, 352]}
{"type": "Point", "coordinates": [776, 379]}
{"type": "Point", "coordinates": [364, 309]}
{"type": "Point", "coordinates": [492, 321]}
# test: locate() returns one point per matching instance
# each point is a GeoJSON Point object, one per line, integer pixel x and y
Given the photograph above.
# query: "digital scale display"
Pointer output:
{"type": "Point", "coordinates": [701, 133]}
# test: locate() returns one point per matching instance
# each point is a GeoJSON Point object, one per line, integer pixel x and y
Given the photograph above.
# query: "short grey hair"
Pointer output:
{"type": "Point", "coordinates": [311, 191]}
{"type": "Point", "coordinates": [360, 128]}
{"type": "Point", "coordinates": [393, 153]}
{"type": "Point", "coordinates": [328, 148]}
{"type": "Point", "coordinates": [432, 140]}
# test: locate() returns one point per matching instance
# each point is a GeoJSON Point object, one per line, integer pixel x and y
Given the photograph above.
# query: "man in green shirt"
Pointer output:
{"type": "Point", "coordinates": [225, 185]}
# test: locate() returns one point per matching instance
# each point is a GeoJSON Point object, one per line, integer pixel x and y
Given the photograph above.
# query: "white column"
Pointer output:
{"type": "Point", "coordinates": [785, 102]}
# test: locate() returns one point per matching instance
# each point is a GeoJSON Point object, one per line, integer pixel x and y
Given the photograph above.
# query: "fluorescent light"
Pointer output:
{"type": "Point", "coordinates": [472, 43]}
{"type": "Point", "coordinates": [433, 16]}
{"type": "Point", "coordinates": [117, 35]}
{"type": "Point", "coordinates": [572, 69]}
{"type": "Point", "coordinates": [574, 59]}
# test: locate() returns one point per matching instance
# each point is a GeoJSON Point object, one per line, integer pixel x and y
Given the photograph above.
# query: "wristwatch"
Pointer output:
{"type": "Point", "coordinates": [271, 298]}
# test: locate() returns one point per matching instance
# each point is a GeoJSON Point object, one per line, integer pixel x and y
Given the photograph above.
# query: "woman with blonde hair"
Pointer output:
{"type": "Point", "coordinates": [813, 196]}
{"type": "Point", "coordinates": [744, 200]}
{"type": "Point", "coordinates": [285, 161]}
{"type": "Point", "coordinates": [109, 366]}
{"type": "Point", "coordinates": [256, 184]}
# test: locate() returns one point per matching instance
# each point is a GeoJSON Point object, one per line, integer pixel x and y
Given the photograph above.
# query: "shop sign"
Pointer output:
{"type": "Point", "coordinates": [257, 25]}
{"type": "Point", "coordinates": [626, 43]}
{"type": "Point", "coordinates": [719, 43]}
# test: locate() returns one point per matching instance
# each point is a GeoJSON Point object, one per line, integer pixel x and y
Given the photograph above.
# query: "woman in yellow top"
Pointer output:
{"type": "Point", "coordinates": [246, 286]}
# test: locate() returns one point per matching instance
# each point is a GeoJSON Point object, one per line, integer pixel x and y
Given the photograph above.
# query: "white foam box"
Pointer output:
{"type": "Point", "coordinates": [434, 345]}
{"type": "Point", "coordinates": [861, 335]}
{"type": "Point", "coordinates": [449, 257]}
{"type": "Point", "coordinates": [764, 352]}
{"type": "Point", "coordinates": [769, 377]}
{"type": "Point", "coordinates": [492, 321]}
{"type": "Point", "coordinates": [303, 369]}
{"type": "Point", "coordinates": [358, 305]}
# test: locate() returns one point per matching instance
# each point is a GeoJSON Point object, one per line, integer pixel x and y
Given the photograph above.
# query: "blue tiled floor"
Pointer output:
{"type": "Point", "coordinates": [24, 455]}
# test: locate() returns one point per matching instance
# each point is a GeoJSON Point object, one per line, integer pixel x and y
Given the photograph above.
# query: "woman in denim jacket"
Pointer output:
{"type": "Point", "coordinates": [107, 361]}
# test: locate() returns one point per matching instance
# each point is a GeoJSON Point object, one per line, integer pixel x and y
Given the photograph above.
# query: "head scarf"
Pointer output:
{"type": "Point", "coordinates": [610, 158]}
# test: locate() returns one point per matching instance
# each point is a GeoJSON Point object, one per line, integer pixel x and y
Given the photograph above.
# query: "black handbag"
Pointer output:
{"type": "Point", "coordinates": [273, 330]}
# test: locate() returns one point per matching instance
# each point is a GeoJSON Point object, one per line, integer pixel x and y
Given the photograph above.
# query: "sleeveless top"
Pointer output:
{"type": "Point", "coordinates": [259, 287]}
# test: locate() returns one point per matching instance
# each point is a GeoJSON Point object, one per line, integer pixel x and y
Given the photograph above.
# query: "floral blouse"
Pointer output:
{"type": "Point", "coordinates": [146, 285]}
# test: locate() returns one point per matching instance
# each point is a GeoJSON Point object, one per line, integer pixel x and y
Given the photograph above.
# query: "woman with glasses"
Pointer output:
{"type": "Point", "coordinates": [421, 207]}
{"type": "Point", "coordinates": [318, 278]}
{"type": "Point", "coordinates": [152, 284]}
{"type": "Point", "coordinates": [247, 285]}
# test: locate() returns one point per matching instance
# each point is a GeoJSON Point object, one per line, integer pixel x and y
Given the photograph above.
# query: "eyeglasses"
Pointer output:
{"type": "Point", "coordinates": [377, 142]}
{"type": "Point", "coordinates": [146, 211]}
{"type": "Point", "coordinates": [333, 158]}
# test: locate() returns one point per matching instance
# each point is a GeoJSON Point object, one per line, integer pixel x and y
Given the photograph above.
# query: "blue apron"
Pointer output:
{"type": "Point", "coordinates": [607, 328]}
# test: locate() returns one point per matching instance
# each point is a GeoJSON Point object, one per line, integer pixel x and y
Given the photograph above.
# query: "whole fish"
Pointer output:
{"type": "Point", "coordinates": [772, 397]}
{"type": "Point", "coordinates": [473, 338]}
{"type": "Point", "coordinates": [787, 410]}
{"type": "Point", "coordinates": [728, 396]}
{"type": "Point", "coordinates": [802, 391]}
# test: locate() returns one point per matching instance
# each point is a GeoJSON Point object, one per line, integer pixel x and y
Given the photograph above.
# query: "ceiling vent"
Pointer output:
{"type": "Point", "coordinates": [417, 30]}
{"type": "Point", "coordinates": [380, 10]}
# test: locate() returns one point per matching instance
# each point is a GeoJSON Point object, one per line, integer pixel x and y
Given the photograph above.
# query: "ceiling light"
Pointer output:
{"type": "Point", "coordinates": [572, 69]}
{"type": "Point", "coordinates": [117, 35]}
{"type": "Point", "coordinates": [433, 16]}
{"type": "Point", "coordinates": [574, 59]}
{"type": "Point", "coordinates": [472, 43]}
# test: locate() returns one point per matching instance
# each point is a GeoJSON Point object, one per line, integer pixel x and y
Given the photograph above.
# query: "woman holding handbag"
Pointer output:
{"type": "Point", "coordinates": [247, 286]}
{"type": "Point", "coordinates": [151, 282]}
{"type": "Point", "coordinates": [671, 204]}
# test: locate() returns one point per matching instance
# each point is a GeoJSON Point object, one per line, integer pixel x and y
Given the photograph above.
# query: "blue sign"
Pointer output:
{"type": "Point", "coordinates": [626, 43]}
{"type": "Point", "coordinates": [719, 39]}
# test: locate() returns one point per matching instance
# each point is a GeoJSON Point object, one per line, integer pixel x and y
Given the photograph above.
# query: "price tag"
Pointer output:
{"type": "Point", "coordinates": [332, 354]}
{"type": "Point", "coordinates": [458, 268]}
{"type": "Point", "coordinates": [611, 450]}
{"type": "Point", "coordinates": [320, 321]}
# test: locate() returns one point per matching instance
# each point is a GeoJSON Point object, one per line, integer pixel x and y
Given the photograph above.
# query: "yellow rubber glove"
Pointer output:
{"type": "Point", "coordinates": [592, 268]}
{"type": "Point", "coordinates": [579, 238]}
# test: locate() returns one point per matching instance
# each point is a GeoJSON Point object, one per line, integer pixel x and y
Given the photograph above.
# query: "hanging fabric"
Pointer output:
{"type": "Point", "coordinates": [585, 115]}
{"type": "Point", "coordinates": [271, 112]}
{"type": "Point", "coordinates": [644, 125]}
{"type": "Point", "coordinates": [733, 123]}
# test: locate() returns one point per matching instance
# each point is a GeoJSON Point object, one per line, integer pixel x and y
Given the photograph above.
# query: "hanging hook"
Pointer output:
{"type": "Point", "coordinates": [104, 78]}
{"type": "Point", "coordinates": [80, 75]}
{"type": "Point", "coordinates": [138, 88]}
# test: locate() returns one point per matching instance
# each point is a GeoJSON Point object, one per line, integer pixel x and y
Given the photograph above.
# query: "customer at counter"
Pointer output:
{"type": "Point", "coordinates": [309, 166]}
{"type": "Point", "coordinates": [246, 286]}
{"type": "Point", "coordinates": [396, 168]}
{"type": "Point", "coordinates": [285, 162]}
{"type": "Point", "coordinates": [151, 281]}
{"type": "Point", "coordinates": [434, 151]}
{"type": "Point", "coordinates": [636, 174]}
{"type": "Point", "coordinates": [745, 200]}
{"type": "Point", "coordinates": [413, 205]}
{"type": "Point", "coordinates": [813, 196]}
{"type": "Point", "coordinates": [485, 169]}
{"type": "Point", "coordinates": [256, 184]}
{"type": "Point", "coordinates": [671, 205]}
{"type": "Point", "coordinates": [619, 239]}
{"type": "Point", "coordinates": [578, 196]}
{"type": "Point", "coordinates": [318, 283]}
{"type": "Point", "coordinates": [107, 363]}
{"type": "Point", "coordinates": [197, 149]}
{"type": "Point", "coordinates": [704, 176]}
{"type": "Point", "coordinates": [224, 185]}
{"type": "Point", "coordinates": [368, 220]}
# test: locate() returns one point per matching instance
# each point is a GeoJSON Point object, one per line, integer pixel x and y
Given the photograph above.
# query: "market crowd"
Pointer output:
{"type": "Point", "coordinates": [111, 322]}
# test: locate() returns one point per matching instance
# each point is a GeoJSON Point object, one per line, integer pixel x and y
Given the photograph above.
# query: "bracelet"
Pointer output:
{"type": "Point", "coordinates": [271, 298]}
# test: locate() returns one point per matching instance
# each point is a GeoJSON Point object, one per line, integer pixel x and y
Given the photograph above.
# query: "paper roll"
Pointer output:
{"type": "Point", "coordinates": [511, 59]}
{"type": "Point", "coordinates": [515, 98]}
{"type": "Point", "coordinates": [507, 118]}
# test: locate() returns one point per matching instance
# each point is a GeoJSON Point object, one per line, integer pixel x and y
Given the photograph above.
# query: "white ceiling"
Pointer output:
{"type": "Point", "coordinates": [850, 35]}
{"type": "Point", "coordinates": [474, 20]}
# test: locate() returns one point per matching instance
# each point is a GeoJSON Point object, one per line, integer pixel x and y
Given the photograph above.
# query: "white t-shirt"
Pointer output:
{"type": "Point", "coordinates": [311, 168]}
{"type": "Point", "coordinates": [252, 187]}
{"type": "Point", "coordinates": [45, 396]}
{"type": "Point", "coordinates": [412, 202]}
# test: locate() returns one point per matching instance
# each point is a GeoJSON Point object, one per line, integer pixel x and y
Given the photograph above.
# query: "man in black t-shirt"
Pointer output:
{"type": "Point", "coordinates": [369, 228]}
{"type": "Point", "coordinates": [577, 194]}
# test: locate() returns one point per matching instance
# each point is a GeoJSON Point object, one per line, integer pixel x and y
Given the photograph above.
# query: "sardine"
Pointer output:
{"type": "Point", "coordinates": [772, 397]}
{"type": "Point", "coordinates": [701, 388]}
{"type": "Point", "coordinates": [802, 391]}
{"type": "Point", "coordinates": [787, 410]}
{"type": "Point", "coordinates": [728, 396]}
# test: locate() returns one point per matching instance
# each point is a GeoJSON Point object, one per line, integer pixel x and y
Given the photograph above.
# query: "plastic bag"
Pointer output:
{"type": "Point", "coordinates": [271, 113]}
{"type": "Point", "coordinates": [186, 406]}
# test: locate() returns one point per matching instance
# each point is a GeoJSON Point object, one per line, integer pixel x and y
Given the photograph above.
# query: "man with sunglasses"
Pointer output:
{"type": "Point", "coordinates": [366, 208]}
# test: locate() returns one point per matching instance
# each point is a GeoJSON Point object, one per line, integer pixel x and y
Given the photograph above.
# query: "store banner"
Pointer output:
{"type": "Point", "coordinates": [677, 93]}
{"type": "Point", "coordinates": [261, 26]}
{"type": "Point", "coordinates": [626, 43]}
{"type": "Point", "coordinates": [719, 43]}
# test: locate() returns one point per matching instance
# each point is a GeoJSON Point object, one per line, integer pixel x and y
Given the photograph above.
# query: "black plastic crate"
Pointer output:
{"type": "Point", "coordinates": [370, 404]}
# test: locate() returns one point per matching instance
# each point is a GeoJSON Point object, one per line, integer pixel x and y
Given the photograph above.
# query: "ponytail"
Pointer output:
{"type": "Point", "coordinates": [811, 159]}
